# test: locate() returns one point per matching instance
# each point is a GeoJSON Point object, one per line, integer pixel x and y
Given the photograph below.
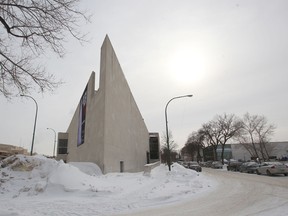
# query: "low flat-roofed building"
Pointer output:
{"type": "Point", "coordinates": [246, 152]}
{"type": "Point", "coordinates": [276, 150]}
{"type": "Point", "coordinates": [8, 150]}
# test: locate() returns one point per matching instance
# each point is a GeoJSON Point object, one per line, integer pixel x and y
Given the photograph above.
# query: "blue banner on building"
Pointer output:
{"type": "Point", "coordinates": [82, 118]}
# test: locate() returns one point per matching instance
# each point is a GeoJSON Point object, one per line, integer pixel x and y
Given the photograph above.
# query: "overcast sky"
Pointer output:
{"type": "Point", "coordinates": [231, 55]}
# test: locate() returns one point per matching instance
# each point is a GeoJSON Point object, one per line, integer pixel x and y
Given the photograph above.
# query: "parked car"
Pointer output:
{"type": "Point", "coordinates": [181, 162]}
{"type": "Point", "coordinates": [234, 166]}
{"type": "Point", "coordinates": [216, 165]}
{"type": "Point", "coordinates": [185, 164]}
{"type": "Point", "coordinates": [249, 167]}
{"type": "Point", "coordinates": [207, 163]}
{"type": "Point", "coordinates": [195, 166]}
{"type": "Point", "coordinates": [272, 168]}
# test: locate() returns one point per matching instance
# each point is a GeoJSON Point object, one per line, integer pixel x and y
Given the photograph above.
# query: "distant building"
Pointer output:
{"type": "Point", "coordinates": [227, 154]}
{"type": "Point", "coordinates": [276, 151]}
{"type": "Point", "coordinates": [8, 150]}
{"type": "Point", "coordinates": [107, 127]}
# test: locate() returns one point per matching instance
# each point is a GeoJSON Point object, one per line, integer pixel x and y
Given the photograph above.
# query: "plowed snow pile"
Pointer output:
{"type": "Point", "coordinates": [35, 185]}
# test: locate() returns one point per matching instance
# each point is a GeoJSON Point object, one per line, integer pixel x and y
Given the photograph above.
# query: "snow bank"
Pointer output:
{"type": "Point", "coordinates": [69, 177]}
{"type": "Point", "coordinates": [88, 168]}
{"type": "Point", "coordinates": [37, 182]}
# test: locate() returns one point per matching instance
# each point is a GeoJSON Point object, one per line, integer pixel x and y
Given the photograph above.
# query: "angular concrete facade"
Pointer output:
{"type": "Point", "coordinates": [107, 127]}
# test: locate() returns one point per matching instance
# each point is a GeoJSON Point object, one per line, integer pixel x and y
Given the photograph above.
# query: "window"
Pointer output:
{"type": "Point", "coordinates": [154, 148]}
{"type": "Point", "coordinates": [62, 146]}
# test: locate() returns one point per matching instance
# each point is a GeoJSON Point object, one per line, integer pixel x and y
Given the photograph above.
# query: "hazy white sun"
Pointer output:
{"type": "Point", "coordinates": [186, 67]}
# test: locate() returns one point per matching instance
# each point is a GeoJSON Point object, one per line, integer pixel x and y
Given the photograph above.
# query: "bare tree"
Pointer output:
{"type": "Point", "coordinates": [193, 145]}
{"type": "Point", "coordinates": [247, 137]}
{"type": "Point", "coordinates": [255, 135]}
{"type": "Point", "coordinates": [220, 130]}
{"type": "Point", "coordinates": [212, 136]}
{"type": "Point", "coordinates": [29, 29]}
{"type": "Point", "coordinates": [230, 127]}
{"type": "Point", "coordinates": [168, 152]}
{"type": "Point", "coordinates": [264, 131]}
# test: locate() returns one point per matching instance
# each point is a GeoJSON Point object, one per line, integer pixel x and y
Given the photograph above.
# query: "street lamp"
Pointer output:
{"type": "Point", "coordinates": [54, 140]}
{"type": "Point", "coordinates": [22, 95]}
{"type": "Point", "coordinates": [167, 133]}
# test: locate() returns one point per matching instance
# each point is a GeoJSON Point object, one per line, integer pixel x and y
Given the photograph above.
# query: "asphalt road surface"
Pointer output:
{"type": "Point", "coordinates": [237, 194]}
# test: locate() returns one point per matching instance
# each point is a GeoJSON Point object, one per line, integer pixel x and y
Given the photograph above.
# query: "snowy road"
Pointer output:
{"type": "Point", "coordinates": [236, 194]}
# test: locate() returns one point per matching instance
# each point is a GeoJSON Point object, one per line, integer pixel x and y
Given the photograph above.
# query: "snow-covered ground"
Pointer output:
{"type": "Point", "coordinates": [40, 186]}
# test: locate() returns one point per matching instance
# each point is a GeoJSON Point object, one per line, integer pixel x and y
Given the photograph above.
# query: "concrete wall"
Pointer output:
{"type": "Point", "coordinates": [114, 129]}
{"type": "Point", "coordinates": [92, 148]}
{"type": "Point", "coordinates": [126, 135]}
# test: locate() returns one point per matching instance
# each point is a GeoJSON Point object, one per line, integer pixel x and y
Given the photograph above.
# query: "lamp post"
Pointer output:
{"type": "Point", "coordinates": [22, 95]}
{"type": "Point", "coordinates": [54, 140]}
{"type": "Point", "coordinates": [167, 132]}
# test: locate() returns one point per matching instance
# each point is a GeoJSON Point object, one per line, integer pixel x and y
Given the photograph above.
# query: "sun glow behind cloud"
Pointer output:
{"type": "Point", "coordinates": [186, 66]}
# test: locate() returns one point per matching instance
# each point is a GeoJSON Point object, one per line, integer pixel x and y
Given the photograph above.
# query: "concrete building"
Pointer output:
{"type": "Point", "coordinates": [276, 150]}
{"type": "Point", "coordinates": [107, 127]}
{"type": "Point", "coordinates": [154, 147]}
{"type": "Point", "coordinates": [62, 147]}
